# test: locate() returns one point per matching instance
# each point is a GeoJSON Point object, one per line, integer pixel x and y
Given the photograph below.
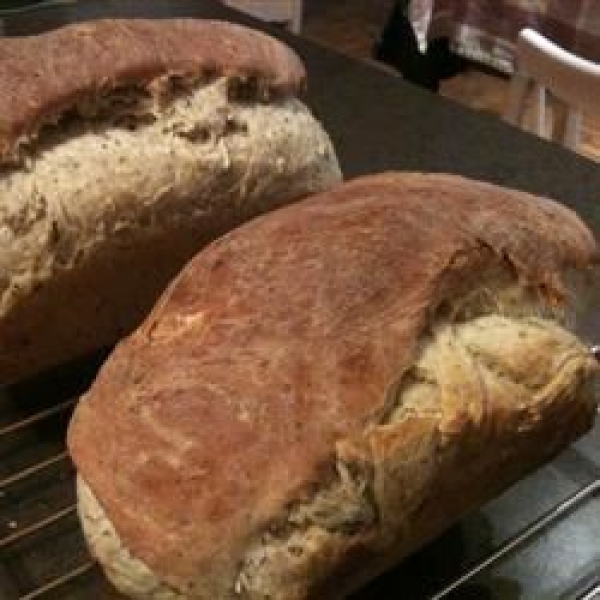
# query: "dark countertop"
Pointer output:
{"type": "Point", "coordinates": [378, 122]}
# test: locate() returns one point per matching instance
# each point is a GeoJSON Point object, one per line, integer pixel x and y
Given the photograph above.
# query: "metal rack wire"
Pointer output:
{"type": "Point", "coordinates": [17, 532]}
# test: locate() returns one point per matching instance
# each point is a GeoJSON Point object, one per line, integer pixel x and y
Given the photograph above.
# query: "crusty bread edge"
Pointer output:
{"type": "Point", "coordinates": [76, 63]}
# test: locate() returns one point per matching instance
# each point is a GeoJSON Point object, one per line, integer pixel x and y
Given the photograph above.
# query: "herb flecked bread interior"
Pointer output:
{"type": "Point", "coordinates": [329, 386]}
{"type": "Point", "coordinates": [125, 146]}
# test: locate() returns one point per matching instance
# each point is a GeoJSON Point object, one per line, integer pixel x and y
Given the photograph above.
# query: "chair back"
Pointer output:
{"type": "Point", "coordinates": [572, 80]}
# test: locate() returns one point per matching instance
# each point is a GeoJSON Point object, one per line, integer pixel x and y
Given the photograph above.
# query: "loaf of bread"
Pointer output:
{"type": "Point", "coordinates": [126, 146]}
{"type": "Point", "coordinates": [327, 387]}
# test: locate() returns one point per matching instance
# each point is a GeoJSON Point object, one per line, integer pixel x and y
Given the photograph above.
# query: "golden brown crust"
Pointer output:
{"type": "Point", "coordinates": [279, 341]}
{"type": "Point", "coordinates": [44, 76]}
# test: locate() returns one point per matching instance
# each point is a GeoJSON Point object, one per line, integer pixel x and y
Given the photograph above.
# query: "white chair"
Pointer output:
{"type": "Point", "coordinates": [279, 11]}
{"type": "Point", "coordinates": [573, 81]}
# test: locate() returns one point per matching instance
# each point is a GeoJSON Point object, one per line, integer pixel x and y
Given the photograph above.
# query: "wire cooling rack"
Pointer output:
{"type": "Point", "coordinates": [43, 555]}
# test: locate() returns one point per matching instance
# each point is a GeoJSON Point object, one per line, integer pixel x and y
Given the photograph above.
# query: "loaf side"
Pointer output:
{"type": "Point", "coordinates": [106, 213]}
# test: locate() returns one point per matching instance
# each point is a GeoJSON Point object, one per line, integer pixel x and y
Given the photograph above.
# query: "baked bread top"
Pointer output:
{"type": "Point", "coordinates": [281, 344]}
{"type": "Point", "coordinates": [73, 67]}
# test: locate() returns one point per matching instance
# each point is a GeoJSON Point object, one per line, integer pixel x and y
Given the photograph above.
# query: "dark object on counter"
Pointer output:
{"type": "Point", "coordinates": [399, 48]}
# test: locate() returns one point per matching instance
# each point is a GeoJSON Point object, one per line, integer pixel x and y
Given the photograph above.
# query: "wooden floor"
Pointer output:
{"type": "Point", "coordinates": [353, 27]}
